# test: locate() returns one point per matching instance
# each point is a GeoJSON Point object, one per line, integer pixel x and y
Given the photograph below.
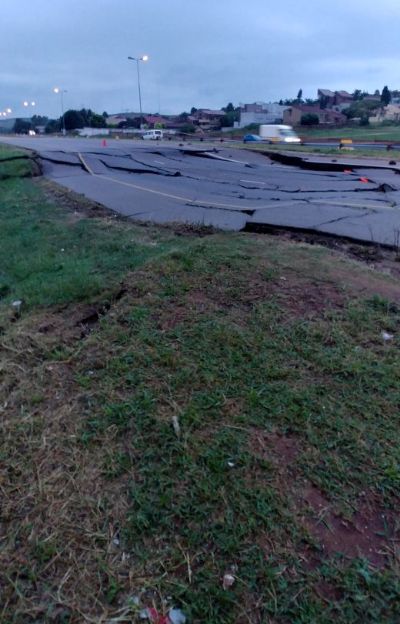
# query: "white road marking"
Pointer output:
{"type": "Point", "coordinates": [252, 182]}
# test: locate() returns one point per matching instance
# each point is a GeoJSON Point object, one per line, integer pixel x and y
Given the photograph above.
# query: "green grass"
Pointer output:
{"type": "Point", "coordinates": [177, 441]}
{"type": "Point", "coordinates": [48, 257]}
{"type": "Point", "coordinates": [365, 133]}
{"type": "Point", "coordinates": [232, 369]}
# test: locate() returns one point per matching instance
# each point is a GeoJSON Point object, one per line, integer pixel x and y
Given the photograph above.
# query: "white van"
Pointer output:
{"type": "Point", "coordinates": [278, 134]}
{"type": "Point", "coordinates": [152, 135]}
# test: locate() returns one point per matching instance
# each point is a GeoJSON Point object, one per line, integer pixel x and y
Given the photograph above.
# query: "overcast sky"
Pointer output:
{"type": "Point", "coordinates": [202, 53]}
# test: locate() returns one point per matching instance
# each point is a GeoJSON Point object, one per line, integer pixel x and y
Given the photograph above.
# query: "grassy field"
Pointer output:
{"type": "Point", "coordinates": [364, 133]}
{"type": "Point", "coordinates": [179, 406]}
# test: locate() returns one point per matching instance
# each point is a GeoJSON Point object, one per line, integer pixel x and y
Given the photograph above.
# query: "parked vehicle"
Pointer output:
{"type": "Point", "coordinates": [248, 138]}
{"type": "Point", "coordinates": [278, 134]}
{"type": "Point", "coordinates": [152, 135]}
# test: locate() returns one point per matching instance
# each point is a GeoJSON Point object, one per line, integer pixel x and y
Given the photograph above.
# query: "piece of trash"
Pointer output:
{"type": "Point", "coordinates": [134, 600]}
{"type": "Point", "coordinates": [154, 617]}
{"type": "Point", "coordinates": [17, 304]}
{"type": "Point", "coordinates": [62, 250]}
{"type": "Point", "coordinates": [387, 336]}
{"type": "Point", "coordinates": [231, 464]}
{"type": "Point", "coordinates": [283, 278]}
{"type": "Point", "coordinates": [176, 616]}
{"type": "Point", "coordinates": [116, 541]}
{"type": "Point", "coordinates": [228, 581]}
{"type": "Point", "coordinates": [176, 426]}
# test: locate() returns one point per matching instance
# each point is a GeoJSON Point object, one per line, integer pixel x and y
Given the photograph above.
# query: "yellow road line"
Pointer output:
{"type": "Point", "coordinates": [277, 204]}
{"type": "Point", "coordinates": [84, 163]}
{"type": "Point", "coordinates": [144, 188]}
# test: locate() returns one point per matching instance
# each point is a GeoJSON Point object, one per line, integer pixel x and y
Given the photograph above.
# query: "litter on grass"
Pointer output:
{"type": "Point", "coordinates": [228, 581]}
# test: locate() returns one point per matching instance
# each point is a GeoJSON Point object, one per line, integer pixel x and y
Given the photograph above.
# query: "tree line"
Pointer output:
{"type": "Point", "coordinates": [73, 119]}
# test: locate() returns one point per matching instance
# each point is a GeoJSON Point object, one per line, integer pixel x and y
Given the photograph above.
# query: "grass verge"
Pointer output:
{"type": "Point", "coordinates": [235, 411]}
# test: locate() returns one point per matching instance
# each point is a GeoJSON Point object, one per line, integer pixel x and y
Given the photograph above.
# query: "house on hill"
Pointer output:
{"type": "Point", "coordinates": [292, 116]}
{"type": "Point", "coordinates": [208, 119]}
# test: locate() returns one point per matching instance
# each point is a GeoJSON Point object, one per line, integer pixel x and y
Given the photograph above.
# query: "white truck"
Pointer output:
{"type": "Point", "coordinates": [278, 134]}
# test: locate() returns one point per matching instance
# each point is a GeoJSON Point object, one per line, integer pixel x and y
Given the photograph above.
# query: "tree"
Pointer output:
{"type": "Point", "coordinates": [229, 108]}
{"type": "Point", "coordinates": [74, 119]}
{"type": "Point", "coordinates": [134, 122]}
{"type": "Point", "coordinates": [188, 128]}
{"type": "Point", "coordinates": [377, 92]}
{"type": "Point", "coordinates": [300, 96]}
{"type": "Point", "coordinates": [54, 125]}
{"type": "Point", "coordinates": [361, 108]}
{"type": "Point", "coordinates": [386, 96]}
{"type": "Point", "coordinates": [38, 120]}
{"type": "Point", "coordinates": [311, 102]}
{"type": "Point", "coordinates": [356, 95]}
{"type": "Point", "coordinates": [159, 126]}
{"type": "Point", "coordinates": [310, 119]}
{"type": "Point", "coordinates": [21, 126]}
{"type": "Point", "coordinates": [193, 110]}
{"type": "Point", "coordinates": [97, 121]}
{"type": "Point", "coordinates": [228, 120]}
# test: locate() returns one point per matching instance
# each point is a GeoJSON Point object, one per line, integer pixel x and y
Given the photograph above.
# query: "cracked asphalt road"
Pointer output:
{"type": "Point", "coordinates": [226, 187]}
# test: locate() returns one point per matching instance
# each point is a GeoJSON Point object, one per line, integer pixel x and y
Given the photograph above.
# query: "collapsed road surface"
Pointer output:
{"type": "Point", "coordinates": [226, 187]}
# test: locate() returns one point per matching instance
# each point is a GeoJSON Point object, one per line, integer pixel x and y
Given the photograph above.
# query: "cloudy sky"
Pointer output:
{"type": "Point", "coordinates": [202, 53]}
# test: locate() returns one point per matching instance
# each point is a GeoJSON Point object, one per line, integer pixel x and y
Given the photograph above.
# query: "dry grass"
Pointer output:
{"type": "Point", "coordinates": [63, 518]}
{"type": "Point", "coordinates": [231, 409]}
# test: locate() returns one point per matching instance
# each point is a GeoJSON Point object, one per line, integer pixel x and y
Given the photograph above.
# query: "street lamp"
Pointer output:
{"type": "Point", "coordinates": [61, 92]}
{"type": "Point", "coordinates": [142, 58]}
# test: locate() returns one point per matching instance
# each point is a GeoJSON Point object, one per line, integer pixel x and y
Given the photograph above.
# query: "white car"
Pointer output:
{"type": "Point", "coordinates": [152, 135]}
{"type": "Point", "coordinates": [32, 133]}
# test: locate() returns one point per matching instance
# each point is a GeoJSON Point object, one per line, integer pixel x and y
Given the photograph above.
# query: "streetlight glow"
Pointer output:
{"type": "Point", "coordinates": [61, 92]}
{"type": "Point", "coordinates": [32, 103]}
{"type": "Point", "coordinates": [142, 58]}
{"type": "Point", "coordinates": [25, 103]}
{"type": "Point", "coordinates": [9, 110]}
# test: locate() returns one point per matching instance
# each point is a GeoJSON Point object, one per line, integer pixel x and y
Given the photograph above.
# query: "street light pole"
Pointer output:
{"type": "Point", "coordinates": [142, 58]}
{"type": "Point", "coordinates": [61, 92]}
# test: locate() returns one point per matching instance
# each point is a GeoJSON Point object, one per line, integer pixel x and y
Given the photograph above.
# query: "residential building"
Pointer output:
{"type": "Point", "coordinates": [327, 96]}
{"type": "Point", "coordinates": [208, 119]}
{"type": "Point", "coordinates": [343, 98]}
{"type": "Point", "coordinates": [371, 98]}
{"type": "Point", "coordinates": [391, 112]}
{"type": "Point", "coordinates": [260, 113]}
{"type": "Point", "coordinates": [152, 120]}
{"type": "Point", "coordinates": [292, 116]}
{"type": "Point", "coordinates": [335, 100]}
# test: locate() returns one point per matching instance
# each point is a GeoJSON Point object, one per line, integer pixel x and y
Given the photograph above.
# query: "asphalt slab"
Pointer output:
{"type": "Point", "coordinates": [230, 188]}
